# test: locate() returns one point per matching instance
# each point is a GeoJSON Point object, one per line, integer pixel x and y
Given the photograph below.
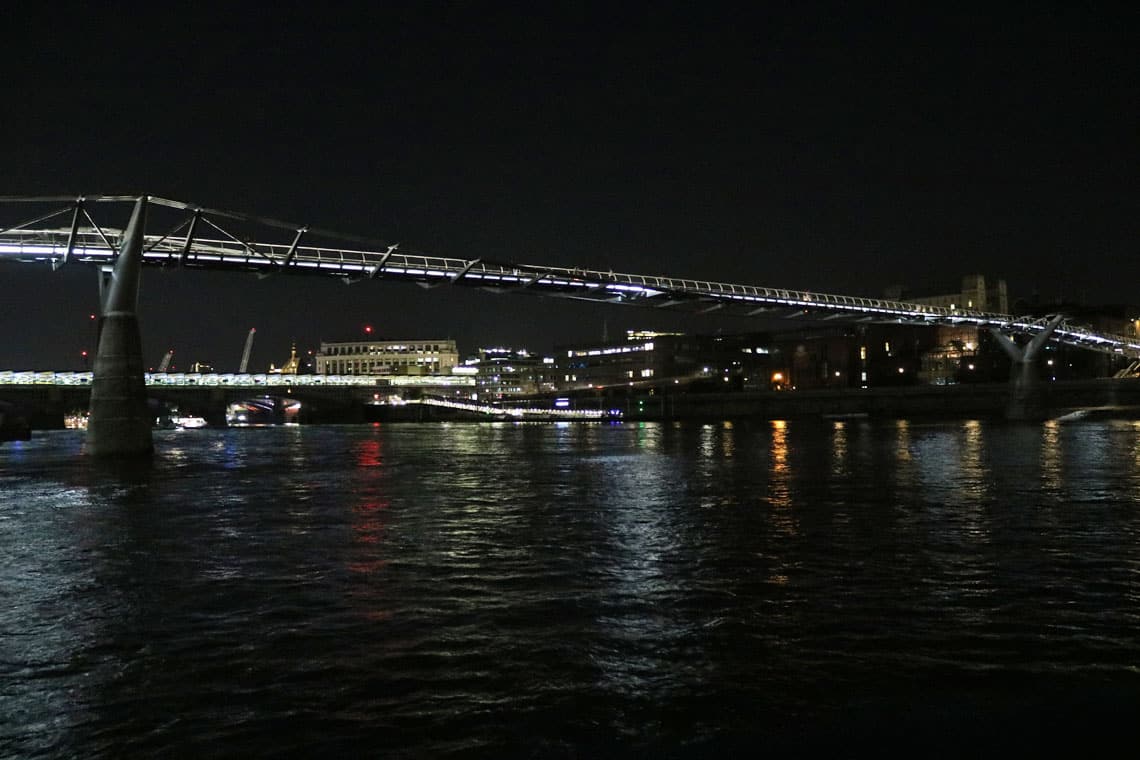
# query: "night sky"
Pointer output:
{"type": "Point", "coordinates": [833, 148]}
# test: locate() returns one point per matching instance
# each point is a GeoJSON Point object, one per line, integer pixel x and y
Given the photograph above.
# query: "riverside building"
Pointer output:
{"type": "Point", "coordinates": [647, 359]}
{"type": "Point", "coordinates": [502, 373]}
{"type": "Point", "coordinates": [387, 357]}
{"type": "Point", "coordinates": [976, 294]}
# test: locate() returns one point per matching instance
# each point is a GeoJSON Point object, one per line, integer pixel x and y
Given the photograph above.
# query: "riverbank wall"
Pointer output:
{"type": "Point", "coordinates": [976, 400]}
{"type": "Point", "coordinates": [45, 408]}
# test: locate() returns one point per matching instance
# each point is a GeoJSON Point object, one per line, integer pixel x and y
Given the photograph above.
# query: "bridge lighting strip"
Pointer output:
{"type": "Point", "coordinates": [587, 281]}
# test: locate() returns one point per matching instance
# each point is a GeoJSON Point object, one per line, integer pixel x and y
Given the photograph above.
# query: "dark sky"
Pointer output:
{"type": "Point", "coordinates": [838, 148]}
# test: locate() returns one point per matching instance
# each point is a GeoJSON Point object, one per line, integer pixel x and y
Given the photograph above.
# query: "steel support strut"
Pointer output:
{"type": "Point", "coordinates": [71, 235]}
{"type": "Point", "coordinates": [119, 423]}
{"type": "Point", "coordinates": [1026, 398]}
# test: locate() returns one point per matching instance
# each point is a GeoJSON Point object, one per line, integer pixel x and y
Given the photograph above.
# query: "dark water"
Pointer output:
{"type": "Point", "coordinates": [573, 591]}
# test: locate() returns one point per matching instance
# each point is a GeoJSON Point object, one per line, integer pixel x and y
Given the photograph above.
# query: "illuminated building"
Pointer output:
{"type": "Point", "coordinates": [954, 354]}
{"type": "Point", "coordinates": [957, 348]}
{"type": "Point", "coordinates": [646, 359]}
{"type": "Point", "coordinates": [387, 357]}
{"type": "Point", "coordinates": [290, 367]}
{"type": "Point", "coordinates": [505, 372]}
{"type": "Point", "coordinates": [823, 357]}
{"type": "Point", "coordinates": [974, 295]}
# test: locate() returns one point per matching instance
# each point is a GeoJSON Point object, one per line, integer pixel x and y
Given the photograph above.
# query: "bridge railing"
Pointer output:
{"type": "Point", "coordinates": [99, 245]}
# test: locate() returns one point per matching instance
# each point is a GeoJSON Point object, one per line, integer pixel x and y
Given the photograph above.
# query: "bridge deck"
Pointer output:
{"type": "Point", "coordinates": [182, 248]}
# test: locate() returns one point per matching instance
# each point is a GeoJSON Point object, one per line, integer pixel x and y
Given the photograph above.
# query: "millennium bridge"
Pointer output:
{"type": "Point", "coordinates": [59, 231]}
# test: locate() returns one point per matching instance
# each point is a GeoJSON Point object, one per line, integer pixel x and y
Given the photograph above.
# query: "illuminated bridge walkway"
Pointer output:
{"type": "Point", "coordinates": [64, 230]}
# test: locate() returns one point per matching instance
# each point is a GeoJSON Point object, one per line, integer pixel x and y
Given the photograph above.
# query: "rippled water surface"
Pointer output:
{"type": "Point", "coordinates": [545, 590]}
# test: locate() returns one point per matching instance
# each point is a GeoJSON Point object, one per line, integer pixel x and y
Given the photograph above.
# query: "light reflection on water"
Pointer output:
{"type": "Point", "coordinates": [839, 452]}
{"type": "Point", "coordinates": [1052, 478]}
{"type": "Point", "coordinates": [566, 589]}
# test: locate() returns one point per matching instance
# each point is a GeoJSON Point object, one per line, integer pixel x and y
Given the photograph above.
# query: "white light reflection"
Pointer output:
{"type": "Point", "coordinates": [637, 496]}
{"type": "Point", "coordinates": [1136, 448]}
{"type": "Point", "coordinates": [707, 446]}
{"type": "Point", "coordinates": [839, 464]}
{"type": "Point", "coordinates": [904, 460]}
{"type": "Point", "coordinates": [955, 480]}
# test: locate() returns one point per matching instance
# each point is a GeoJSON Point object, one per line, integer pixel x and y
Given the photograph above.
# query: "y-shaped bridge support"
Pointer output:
{"type": "Point", "coordinates": [1025, 394]}
{"type": "Point", "coordinates": [119, 423]}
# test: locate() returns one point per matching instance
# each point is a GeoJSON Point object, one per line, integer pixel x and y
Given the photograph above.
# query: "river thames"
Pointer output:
{"type": "Point", "coordinates": [573, 590]}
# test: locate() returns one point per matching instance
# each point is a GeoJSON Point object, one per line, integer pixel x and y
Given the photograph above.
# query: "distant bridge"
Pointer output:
{"type": "Point", "coordinates": [202, 238]}
{"type": "Point", "coordinates": [249, 382]}
{"type": "Point", "coordinates": [52, 395]}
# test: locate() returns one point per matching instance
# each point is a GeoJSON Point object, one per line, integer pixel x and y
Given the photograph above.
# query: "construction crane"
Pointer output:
{"type": "Point", "coordinates": [164, 365]}
{"type": "Point", "coordinates": [245, 354]}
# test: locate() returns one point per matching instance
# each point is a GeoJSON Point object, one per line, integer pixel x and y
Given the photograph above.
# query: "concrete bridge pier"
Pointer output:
{"type": "Point", "coordinates": [214, 410]}
{"type": "Point", "coordinates": [1026, 394]}
{"type": "Point", "coordinates": [119, 422]}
